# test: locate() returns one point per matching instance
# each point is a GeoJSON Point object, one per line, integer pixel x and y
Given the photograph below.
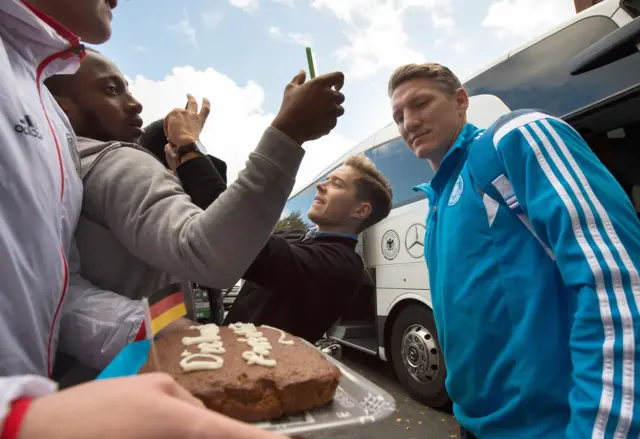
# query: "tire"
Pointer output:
{"type": "Point", "coordinates": [420, 367]}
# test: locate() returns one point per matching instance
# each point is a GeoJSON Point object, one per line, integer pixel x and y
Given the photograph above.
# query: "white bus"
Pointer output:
{"type": "Point", "coordinates": [588, 72]}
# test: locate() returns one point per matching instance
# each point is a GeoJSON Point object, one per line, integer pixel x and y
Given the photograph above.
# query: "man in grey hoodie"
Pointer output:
{"type": "Point", "coordinates": [138, 230]}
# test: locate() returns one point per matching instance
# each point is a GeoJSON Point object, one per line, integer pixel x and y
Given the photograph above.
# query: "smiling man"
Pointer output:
{"type": "Point", "coordinates": [81, 96]}
{"type": "Point", "coordinates": [139, 231]}
{"type": "Point", "coordinates": [533, 252]}
{"type": "Point", "coordinates": [302, 280]}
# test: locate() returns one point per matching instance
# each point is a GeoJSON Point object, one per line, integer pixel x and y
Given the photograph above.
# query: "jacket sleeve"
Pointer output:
{"type": "Point", "coordinates": [15, 389]}
{"type": "Point", "coordinates": [201, 181]}
{"type": "Point", "coordinates": [96, 324]}
{"type": "Point", "coordinates": [315, 265]}
{"type": "Point", "coordinates": [580, 212]}
{"type": "Point", "coordinates": [147, 210]}
{"type": "Point", "coordinates": [221, 167]}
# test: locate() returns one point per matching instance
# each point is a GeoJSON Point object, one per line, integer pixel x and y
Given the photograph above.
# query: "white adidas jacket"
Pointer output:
{"type": "Point", "coordinates": [43, 302]}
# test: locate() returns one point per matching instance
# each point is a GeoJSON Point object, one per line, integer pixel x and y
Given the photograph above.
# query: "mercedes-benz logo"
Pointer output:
{"type": "Point", "coordinates": [414, 240]}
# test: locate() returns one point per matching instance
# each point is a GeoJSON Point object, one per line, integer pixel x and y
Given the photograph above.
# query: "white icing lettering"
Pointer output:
{"type": "Point", "coordinates": [209, 343]}
{"type": "Point", "coordinates": [281, 340]}
{"type": "Point", "coordinates": [260, 346]}
{"type": "Point", "coordinates": [254, 358]}
{"type": "Point", "coordinates": [212, 348]}
{"type": "Point", "coordinates": [189, 365]}
{"type": "Point", "coordinates": [209, 340]}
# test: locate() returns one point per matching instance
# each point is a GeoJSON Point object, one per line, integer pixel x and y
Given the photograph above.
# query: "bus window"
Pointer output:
{"type": "Point", "coordinates": [538, 76]}
{"type": "Point", "coordinates": [631, 6]}
{"type": "Point", "coordinates": [403, 169]}
{"type": "Point", "coordinates": [301, 203]}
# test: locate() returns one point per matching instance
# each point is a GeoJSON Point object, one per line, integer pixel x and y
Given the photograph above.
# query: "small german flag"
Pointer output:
{"type": "Point", "coordinates": [165, 307]}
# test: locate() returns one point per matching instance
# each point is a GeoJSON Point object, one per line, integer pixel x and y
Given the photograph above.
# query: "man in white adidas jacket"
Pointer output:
{"type": "Point", "coordinates": [43, 303]}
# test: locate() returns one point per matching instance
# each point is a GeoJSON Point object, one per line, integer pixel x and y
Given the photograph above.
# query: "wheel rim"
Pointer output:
{"type": "Point", "coordinates": [420, 354]}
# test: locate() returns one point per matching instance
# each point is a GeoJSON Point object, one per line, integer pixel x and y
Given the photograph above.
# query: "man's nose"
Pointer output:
{"type": "Point", "coordinates": [411, 123]}
{"type": "Point", "coordinates": [135, 106]}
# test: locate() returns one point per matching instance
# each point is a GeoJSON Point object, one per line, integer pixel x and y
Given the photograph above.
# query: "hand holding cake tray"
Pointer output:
{"type": "Point", "coordinates": [260, 374]}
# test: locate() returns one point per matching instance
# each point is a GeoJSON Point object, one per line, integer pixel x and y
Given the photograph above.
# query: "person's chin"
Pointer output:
{"type": "Point", "coordinates": [125, 138]}
{"type": "Point", "coordinates": [422, 151]}
{"type": "Point", "coordinates": [311, 214]}
{"type": "Point", "coordinates": [315, 214]}
{"type": "Point", "coordinates": [100, 32]}
{"type": "Point", "coordinates": [97, 36]}
{"type": "Point", "coordinates": [131, 135]}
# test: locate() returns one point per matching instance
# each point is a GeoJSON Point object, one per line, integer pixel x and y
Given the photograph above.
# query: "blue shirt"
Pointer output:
{"type": "Point", "coordinates": [313, 233]}
{"type": "Point", "coordinates": [535, 346]}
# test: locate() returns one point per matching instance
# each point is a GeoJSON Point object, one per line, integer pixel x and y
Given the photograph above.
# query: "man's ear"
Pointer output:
{"type": "Point", "coordinates": [363, 211]}
{"type": "Point", "coordinates": [462, 99]}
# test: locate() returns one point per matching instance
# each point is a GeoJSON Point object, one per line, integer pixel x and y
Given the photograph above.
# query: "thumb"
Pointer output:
{"type": "Point", "coordinates": [168, 150]}
{"type": "Point", "coordinates": [299, 78]}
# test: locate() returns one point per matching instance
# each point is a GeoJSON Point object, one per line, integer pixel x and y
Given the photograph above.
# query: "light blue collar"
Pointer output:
{"type": "Point", "coordinates": [313, 233]}
{"type": "Point", "coordinates": [468, 134]}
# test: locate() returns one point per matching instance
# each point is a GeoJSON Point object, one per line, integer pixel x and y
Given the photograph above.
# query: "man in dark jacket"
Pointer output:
{"type": "Point", "coordinates": [302, 281]}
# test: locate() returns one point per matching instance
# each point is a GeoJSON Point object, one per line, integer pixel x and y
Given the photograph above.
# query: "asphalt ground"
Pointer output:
{"type": "Point", "coordinates": [412, 420]}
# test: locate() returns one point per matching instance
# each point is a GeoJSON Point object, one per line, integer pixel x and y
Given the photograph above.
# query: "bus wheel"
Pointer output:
{"type": "Point", "coordinates": [417, 358]}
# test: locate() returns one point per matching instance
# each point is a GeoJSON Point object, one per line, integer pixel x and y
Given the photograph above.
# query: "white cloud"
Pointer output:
{"type": "Point", "coordinates": [237, 118]}
{"type": "Point", "coordinates": [246, 5]}
{"type": "Point", "coordinates": [526, 18]}
{"type": "Point", "coordinates": [275, 32]}
{"type": "Point", "coordinates": [462, 46]}
{"type": "Point", "coordinates": [184, 27]}
{"type": "Point", "coordinates": [142, 49]}
{"type": "Point", "coordinates": [442, 22]}
{"type": "Point", "coordinates": [351, 10]}
{"type": "Point", "coordinates": [302, 39]}
{"type": "Point", "coordinates": [253, 5]}
{"type": "Point", "coordinates": [212, 19]}
{"type": "Point", "coordinates": [376, 35]}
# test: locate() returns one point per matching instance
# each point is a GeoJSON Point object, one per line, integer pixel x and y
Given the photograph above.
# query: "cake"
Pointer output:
{"type": "Point", "coordinates": [248, 373]}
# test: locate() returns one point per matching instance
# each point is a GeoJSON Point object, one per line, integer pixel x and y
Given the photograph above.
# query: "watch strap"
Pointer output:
{"type": "Point", "coordinates": [186, 149]}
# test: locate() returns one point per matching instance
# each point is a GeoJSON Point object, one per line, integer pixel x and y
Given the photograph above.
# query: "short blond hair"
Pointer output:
{"type": "Point", "coordinates": [442, 76]}
{"type": "Point", "coordinates": [373, 187]}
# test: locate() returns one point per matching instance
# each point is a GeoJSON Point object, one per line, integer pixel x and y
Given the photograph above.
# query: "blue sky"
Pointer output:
{"type": "Point", "coordinates": [241, 53]}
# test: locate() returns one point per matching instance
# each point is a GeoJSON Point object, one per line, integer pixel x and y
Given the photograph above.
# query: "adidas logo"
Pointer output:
{"type": "Point", "coordinates": [25, 126]}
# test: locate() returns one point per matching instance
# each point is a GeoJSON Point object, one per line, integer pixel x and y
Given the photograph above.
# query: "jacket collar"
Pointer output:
{"type": "Point", "coordinates": [468, 134]}
{"type": "Point", "coordinates": [39, 39]}
{"type": "Point", "coordinates": [313, 233]}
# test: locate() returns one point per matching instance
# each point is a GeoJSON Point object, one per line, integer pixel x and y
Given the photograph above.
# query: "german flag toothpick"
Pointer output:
{"type": "Point", "coordinates": [165, 307]}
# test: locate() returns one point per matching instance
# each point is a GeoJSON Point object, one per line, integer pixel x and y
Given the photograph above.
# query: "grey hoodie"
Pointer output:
{"type": "Point", "coordinates": [139, 230]}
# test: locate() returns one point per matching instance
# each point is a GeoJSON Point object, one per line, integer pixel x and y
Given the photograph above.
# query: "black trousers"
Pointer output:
{"type": "Point", "coordinates": [465, 434]}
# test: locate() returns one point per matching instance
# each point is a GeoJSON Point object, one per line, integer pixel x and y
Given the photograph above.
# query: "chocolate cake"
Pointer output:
{"type": "Point", "coordinates": [248, 373]}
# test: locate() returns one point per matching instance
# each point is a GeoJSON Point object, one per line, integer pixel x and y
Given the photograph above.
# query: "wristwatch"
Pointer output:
{"type": "Point", "coordinates": [190, 147]}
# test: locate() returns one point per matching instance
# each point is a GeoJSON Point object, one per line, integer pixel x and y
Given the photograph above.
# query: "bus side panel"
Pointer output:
{"type": "Point", "coordinates": [410, 276]}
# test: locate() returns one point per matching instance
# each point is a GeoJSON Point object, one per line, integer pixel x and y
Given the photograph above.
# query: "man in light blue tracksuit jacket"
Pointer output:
{"type": "Point", "coordinates": [533, 251]}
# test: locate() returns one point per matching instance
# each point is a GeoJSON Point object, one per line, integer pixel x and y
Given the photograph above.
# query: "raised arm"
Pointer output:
{"type": "Point", "coordinates": [148, 211]}
{"type": "Point", "coordinates": [201, 180]}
